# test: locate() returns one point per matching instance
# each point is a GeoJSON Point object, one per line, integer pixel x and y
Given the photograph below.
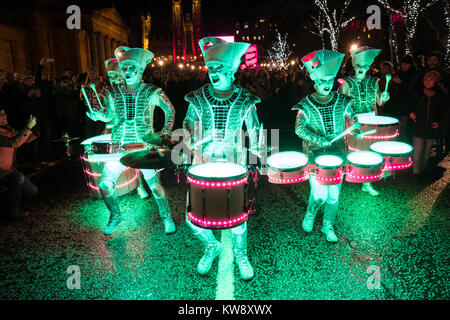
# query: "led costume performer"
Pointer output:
{"type": "Point", "coordinates": [364, 90]}
{"type": "Point", "coordinates": [130, 108]}
{"type": "Point", "coordinates": [219, 111]}
{"type": "Point", "coordinates": [321, 118]}
{"type": "Point", "coordinates": [115, 76]}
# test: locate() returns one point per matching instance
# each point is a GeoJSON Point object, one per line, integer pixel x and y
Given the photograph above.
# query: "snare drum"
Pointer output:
{"type": "Point", "coordinates": [397, 155]}
{"type": "Point", "coordinates": [387, 130]}
{"type": "Point", "coordinates": [329, 169]}
{"type": "Point", "coordinates": [217, 195]}
{"type": "Point", "coordinates": [364, 166]}
{"type": "Point", "coordinates": [93, 164]}
{"type": "Point", "coordinates": [288, 167]}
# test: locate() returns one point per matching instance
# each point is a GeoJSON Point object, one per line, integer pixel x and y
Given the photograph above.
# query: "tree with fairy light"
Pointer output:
{"type": "Point", "coordinates": [410, 10]}
{"type": "Point", "coordinates": [331, 22]}
{"type": "Point", "coordinates": [278, 55]}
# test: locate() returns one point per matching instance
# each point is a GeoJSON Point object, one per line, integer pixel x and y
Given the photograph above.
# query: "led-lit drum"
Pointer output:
{"type": "Point", "coordinates": [329, 169]}
{"type": "Point", "coordinates": [93, 162]}
{"type": "Point", "coordinates": [217, 195]}
{"type": "Point", "coordinates": [364, 166]}
{"type": "Point", "coordinates": [387, 129]}
{"type": "Point", "coordinates": [397, 155]}
{"type": "Point", "coordinates": [288, 167]}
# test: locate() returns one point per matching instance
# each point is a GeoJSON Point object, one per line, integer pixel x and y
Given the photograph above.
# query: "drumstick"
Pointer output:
{"type": "Point", "coordinates": [343, 134]}
{"type": "Point", "coordinates": [86, 98]}
{"type": "Point", "coordinates": [92, 85]}
{"type": "Point", "coordinates": [388, 79]}
{"type": "Point", "coordinates": [203, 141]}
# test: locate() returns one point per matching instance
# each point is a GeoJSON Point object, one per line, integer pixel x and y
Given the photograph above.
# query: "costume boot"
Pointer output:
{"type": "Point", "coordinates": [212, 250]}
{"type": "Point", "coordinates": [367, 187]}
{"type": "Point", "coordinates": [240, 255]}
{"type": "Point", "coordinates": [329, 215]}
{"type": "Point", "coordinates": [116, 217]}
{"type": "Point", "coordinates": [164, 212]}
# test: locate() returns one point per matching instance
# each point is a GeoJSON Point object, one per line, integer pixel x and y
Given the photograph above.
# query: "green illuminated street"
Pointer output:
{"type": "Point", "coordinates": [404, 232]}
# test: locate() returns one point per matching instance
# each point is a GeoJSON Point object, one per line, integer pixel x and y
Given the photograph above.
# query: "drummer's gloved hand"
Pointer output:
{"type": "Point", "coordinates": [94, 116]}
{"type": "Point", "coordinates": [323, 143]}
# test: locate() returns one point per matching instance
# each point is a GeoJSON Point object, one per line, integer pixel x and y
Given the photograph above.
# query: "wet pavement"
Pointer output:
{"type": "Point", "coordinates": [403, 234]}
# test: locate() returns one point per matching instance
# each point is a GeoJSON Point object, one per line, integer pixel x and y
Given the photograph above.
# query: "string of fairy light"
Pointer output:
{"type": "Point", "coordinates": [334, 21]}
{"type": "Point", "coordinates": [410, 11]}
{"type": "Point", "coordinates": [394, 40]}
{"type": "Point", "coordinates": [280, 52]}
{"type": "Point", "coordinates": [447, 21]}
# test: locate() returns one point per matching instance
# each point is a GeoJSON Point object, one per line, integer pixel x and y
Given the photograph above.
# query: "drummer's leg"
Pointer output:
{"type": "Point", "coordinates": [317, 197]}
{"type": "Point", "coordinates": [330, 211]}
{"type": "Point", "coordinates": [239, 238]}
{"type": "Point", "coordinates": [152, 178]}
{"type": "Point", "coordinates": [141, 189]}
{"type": "Point", "coordinates": [367, 187]}
{"type": "Point", "coordinates": [212, 247]}
{"type": "Point", "coordinates": [111, 172]}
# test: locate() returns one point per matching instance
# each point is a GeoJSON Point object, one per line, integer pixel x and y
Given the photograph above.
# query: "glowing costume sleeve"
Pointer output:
{"type": "Point", "coordinates": [160, 99]}
{"type": "Point", "coordinates": [252, 124]}
{"type": "Point", "coordinates": [301, 126]}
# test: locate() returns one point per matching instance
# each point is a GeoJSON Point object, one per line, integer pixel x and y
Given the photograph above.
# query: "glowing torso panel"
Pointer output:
{"type": "Point", "coordinates": [132, 112]}
{"type": "Point", "coordinates": [223, 120]}
{"type": "Point", "coordinates": [364, 94]}
{"type": "Point", "coordinates": [324, 119]}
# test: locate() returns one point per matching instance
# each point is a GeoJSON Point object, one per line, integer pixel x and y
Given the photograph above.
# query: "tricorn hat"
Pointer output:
{"type": "Point", "coordinates": [139, 56]}
{"type": "Point", "coordinates": [217, 50]}
{"type": "Point", "coordinates": [364, 55]}
{"type": "Point", "coordinates": [323, 63]}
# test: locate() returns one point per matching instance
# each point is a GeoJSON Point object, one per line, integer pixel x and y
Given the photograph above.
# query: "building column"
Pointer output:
{"type": "Point", "coordinates": [108, 47]}
{"type": "Point", "coordinates": [101, 52]}
{"type": "Point", "coordinates": [93, 49]}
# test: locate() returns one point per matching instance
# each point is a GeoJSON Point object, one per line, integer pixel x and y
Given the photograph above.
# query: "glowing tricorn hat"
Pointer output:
{"type": "Point", "coordinates": [323, 63]}
{"type": "Point", "coordinates": [112, 65]}
{"type": "Point", "coordinates": [139, 56]}
{"type": "Point", "coordinates": [216, 50]}
{"type": "Point", "coordinates": [364, 55]}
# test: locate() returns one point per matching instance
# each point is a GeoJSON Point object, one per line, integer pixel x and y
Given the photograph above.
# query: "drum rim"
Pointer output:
{"type": "Point", "coordinates": [214, 179]}
{"type": "Point", "coordinates": [329, 167]}
{"type": "Point", "coordinates": [392, 154]}
{"type": "Point", "coordinates": [358, 165]}
{"type": "Point", "coordinates": [84, 143]}
{"type": "Point", "coordinates": [381, 125]}
{"type": "Point", "coordinates": [278, 169]}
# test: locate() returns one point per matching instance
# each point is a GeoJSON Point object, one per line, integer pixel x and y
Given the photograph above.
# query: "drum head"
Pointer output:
{"type": "Point", "coordinates": [217, 171]}
{"type": "Point", "coordinates": [287, 161]}
{"type": "Point", "coordinates": [329, 161]}
{"type": "Point", "coordinates": [103, 138]}
{"type": "Point", "coordinates": [365, 159]}
{"type": "Point", "coordinates": [377, 120]}
{"type": "Point", "coordinates": [391, 148]}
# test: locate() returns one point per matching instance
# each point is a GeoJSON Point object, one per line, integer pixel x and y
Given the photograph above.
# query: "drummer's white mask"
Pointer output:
{"type": "Point", "coordinates": [132, 73]}
{"type": "Point", "coordinates": [324, 85]}
{"type": "Point", "coordinates": [221, 76]}
{"type": "Point", "coordinates": [115, 77]}
{"type": "Point", "coordinates": [360, 71]}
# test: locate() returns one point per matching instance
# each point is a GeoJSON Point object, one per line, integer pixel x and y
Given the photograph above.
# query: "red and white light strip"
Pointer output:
{"type": "Point", "coordinates": [330, 179]}
{"type": "Point", "coordinates": [373, 177]}
{"type": "Point", "coordinates": [125, 184]}
{"type": "Point", "coordinates": [398, 166]}
{"type": "Point", "coordinates": [299, 179]}
{"type": "Point", "coordinates": [217, 184]}
{"type": "Point", "coordinates": [217, 223]}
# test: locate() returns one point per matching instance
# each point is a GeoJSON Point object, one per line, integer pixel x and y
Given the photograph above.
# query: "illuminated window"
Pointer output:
{"type": "Point", "coordinates": [254, 37]}
{"type": "Point", "coordinates": [262, 20]}
{"type": "Point", "coordinates": [243, 38]}
{"type": "Point", "coordinates": [248, 38]}
{"type": "Point", "coordinates": [237, 31]}
{"type": "Point", "coordinates": [259, 37]}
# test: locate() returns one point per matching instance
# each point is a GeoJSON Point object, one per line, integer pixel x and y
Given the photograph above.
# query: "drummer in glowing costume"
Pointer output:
{"type": "Point", "coordinates": [130, 108]}
{"type": "Point", "coordinates": [219, 111]}
{"type": "Point", "coordinates": [321, 118]}
{"type": "Point", "coordinates": [364, 90]}
{"type": "Point", "coordinates": [115, 76]}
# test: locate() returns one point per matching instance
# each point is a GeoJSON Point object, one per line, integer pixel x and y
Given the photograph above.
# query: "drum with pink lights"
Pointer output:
{"type": "Point", "coordinates": [328, 169]}
{"type": "Point", "coordinates": [288, 167]}
{"type": "Point", "coordinates": [98, 151]}
{"type": "Point", "coordinates": [217, 196]}
{"type": "Point", "coordinates": [385, 129]}
{"type": "Point", "coordinates": [364, 166]}
{"type": "Point", "coordinates": [397, 155]}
